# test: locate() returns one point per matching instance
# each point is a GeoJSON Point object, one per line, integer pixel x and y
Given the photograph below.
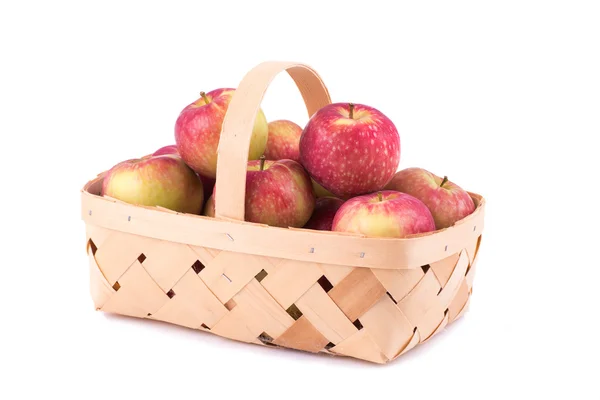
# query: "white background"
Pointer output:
{"type": "Point", "coordinates": [503, 97]}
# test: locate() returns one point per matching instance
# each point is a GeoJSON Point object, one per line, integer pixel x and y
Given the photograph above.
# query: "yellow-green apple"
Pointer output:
{"type": "Point", "coordinates": [207, 183]}
{"type": "Point", "coordinates": [278, 193]}
{"type": "Point", "coordinates": [384, 214]}
{"type": "Point", "coordinates": [198, 129]}
{"type": "Point", "coordinates": [350, 149]}
{"type": "Point", "coordinates": [283, 141]}
{"type": "Point", "coordinates": [209, 207]}
{"type": "Point", "coordinates": [447, 201]}
{"type": "Point", "coordinates": [322, 217]}
{"type": "Point", "coordinates": [320, 191]}
{"type": "Point", "coordinates": [163, 180]}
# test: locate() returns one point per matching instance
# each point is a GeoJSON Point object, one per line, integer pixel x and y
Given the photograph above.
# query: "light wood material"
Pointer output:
{"type": "Point", "coordinates": [368, 298]}
{"type": "Point", "coordinates": [324, 314]}
{"type": "Point", "coordinates": [238, 123]}
{"type": "Point", "coordinates": [302, 336]}
{"type": "Point", "coordinates": [357, 293]}
{"type": "Point", "coordinates": [249, 238]}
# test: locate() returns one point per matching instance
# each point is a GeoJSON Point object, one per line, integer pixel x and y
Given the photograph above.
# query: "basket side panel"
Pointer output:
{"type": "Point", "coordinates": [371, 314]}
{"type": "Point", "coordinates": [418, 304]}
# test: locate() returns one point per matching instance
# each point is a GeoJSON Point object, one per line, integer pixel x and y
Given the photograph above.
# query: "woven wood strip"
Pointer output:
{"type": "Point", "coordinates": [290, 280]}
{"type": "Point", "coordinates": [302, 335]}
{"type": "Point", "coordinates": [331, 248]}
{"type": "Point", "coordinates": [367, 313]}
{"type": "Point", "coordinates": [324, 314]}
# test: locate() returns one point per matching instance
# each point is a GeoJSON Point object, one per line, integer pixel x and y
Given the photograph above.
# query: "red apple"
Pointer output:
{"type": "Point", "coordinates": [350, 149]}
{"type": "Point", "coordinates": [198, 129]}
{"type": "Point", "coordinates": [447, 201]}
{"type": "Point", "coordinates": [207, 183]}
{"type": "Point", "coordinates": [322, 217]}
{"type": "Point", "coordinates": [163, 180]}
{"type": "Point", "coordinates": [278, 193]}
{"type": "Point", "coordinates": [384, 214]}
{"type": "Point", "coordinates": [170, 149]}
{"type": "Point", "coordinates": [283, 141]}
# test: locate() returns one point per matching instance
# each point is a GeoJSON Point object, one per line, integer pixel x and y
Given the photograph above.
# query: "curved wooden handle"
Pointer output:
{"type": "Point", "coordinates": [239, 121]}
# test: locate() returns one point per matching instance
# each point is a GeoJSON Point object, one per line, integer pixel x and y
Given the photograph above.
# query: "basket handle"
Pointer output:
{"type": "Point", "coordinates": [238, 123]}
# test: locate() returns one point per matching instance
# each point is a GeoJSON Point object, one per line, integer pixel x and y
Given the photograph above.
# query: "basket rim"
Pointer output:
{"type": "Point", "coordinates": [336, 248]}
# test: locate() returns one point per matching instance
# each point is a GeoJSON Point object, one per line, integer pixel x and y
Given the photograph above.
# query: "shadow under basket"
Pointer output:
{"type": "Point", "coordinates": [368, 298]}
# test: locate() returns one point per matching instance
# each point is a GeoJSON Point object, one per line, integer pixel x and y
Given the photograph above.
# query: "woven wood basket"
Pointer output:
{"type": "Point", "coordinates": [344, 294]}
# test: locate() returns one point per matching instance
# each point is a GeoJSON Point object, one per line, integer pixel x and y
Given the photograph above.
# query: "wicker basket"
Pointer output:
{"type": "Point", "coordinates": [344, 294]}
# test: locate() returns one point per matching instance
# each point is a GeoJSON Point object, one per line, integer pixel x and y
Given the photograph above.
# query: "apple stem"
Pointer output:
{"type": "Point", "coordinates": [262, 162]}
{"type": "Point", "coordinates": [379, 196]}
{"type": "Point", "coordinates": [204, 97]}
{"type": "Point", "coordinates": [444, 181]}
{"type": "Point", "coordinates": [351, 113]}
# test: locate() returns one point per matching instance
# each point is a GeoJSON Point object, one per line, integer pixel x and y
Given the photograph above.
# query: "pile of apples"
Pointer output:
{"type": "Point", "coordinates": [338, 173]}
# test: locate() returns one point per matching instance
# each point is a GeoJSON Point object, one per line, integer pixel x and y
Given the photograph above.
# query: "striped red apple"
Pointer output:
{"type": "Point", "coordinates": [447, 201]}
{"type": "Point", "coordinates": [350, 149]}
{"type": "Point", "coordinates": [283, 141]}
{"type": "Point", "coordinates": [325, 210]}
{"type": "Point", "coordinates": [198, 129]}
{"type": "Point", "coordinates": [278, 193]}
{"type": "Point", "coordinates": [384, 214]}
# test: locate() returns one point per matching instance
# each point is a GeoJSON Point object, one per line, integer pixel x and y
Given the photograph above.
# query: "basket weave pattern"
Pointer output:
{"type": "Point", "coordinates": [345, 294]}
{"type": "Point", "coordinates": [368, 313]}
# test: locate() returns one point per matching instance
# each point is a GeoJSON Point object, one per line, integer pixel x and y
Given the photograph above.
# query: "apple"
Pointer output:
{"type": "Point", "coordinates": [384, 214]}
{"type": "Point", "coordinates": [209, 207]}
{"type": "Point", "coordinates": [163, 180]}
{"type": "Point", "coordinates": [207, 183]}
{"type": "Point", "coordinates": [320, 191]}
{"type": "Point", "coordinates": [447, 201]}
{"type": "Point", "coordinates": [322, 217]}
{"type": "Point", "coordinates": [170, 149]}
{"type": "Point", "coordinates": [283, 141]}
{"type": "Point", "coordinates": [278, 193]}
{"type": "Point", "coordinates": [198, 129]}
{"type": "Point", "coordinates": [350, 149]}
